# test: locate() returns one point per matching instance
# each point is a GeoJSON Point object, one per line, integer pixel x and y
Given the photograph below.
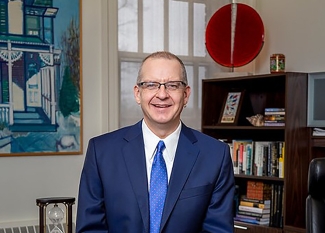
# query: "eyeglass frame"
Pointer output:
{"type": "Point", "coordinates": [141, 84]}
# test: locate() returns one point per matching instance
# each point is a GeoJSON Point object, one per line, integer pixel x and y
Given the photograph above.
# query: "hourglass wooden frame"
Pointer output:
{"type": "Point", "coordinates": [42, 203]}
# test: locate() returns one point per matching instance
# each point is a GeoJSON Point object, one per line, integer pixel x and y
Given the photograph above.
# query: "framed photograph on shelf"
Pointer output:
{"type": "Point", "coordinates": [231, 108]}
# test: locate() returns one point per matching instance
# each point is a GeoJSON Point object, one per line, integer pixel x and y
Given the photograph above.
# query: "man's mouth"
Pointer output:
{"type": "Point", "coordinates": [161, 105]}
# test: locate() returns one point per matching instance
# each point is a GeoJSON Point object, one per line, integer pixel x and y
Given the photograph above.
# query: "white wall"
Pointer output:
{"type": "Point", "coordinates": [296, 29]}
{"type": "Point", "coordinates": [293, 27]}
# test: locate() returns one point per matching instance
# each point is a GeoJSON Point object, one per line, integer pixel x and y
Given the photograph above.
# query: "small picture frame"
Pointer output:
{"type": "Point", "coordinates": [231, 108]}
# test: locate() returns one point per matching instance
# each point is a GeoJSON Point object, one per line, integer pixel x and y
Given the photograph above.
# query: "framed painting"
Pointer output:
{"type": "Point", "coordinates": [40, 72]}
{"type": "Point", "coordinates": [231, 108]}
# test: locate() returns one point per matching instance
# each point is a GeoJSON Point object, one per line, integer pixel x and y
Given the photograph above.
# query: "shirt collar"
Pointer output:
{"type": "Point", "coordinates": [151, 140]}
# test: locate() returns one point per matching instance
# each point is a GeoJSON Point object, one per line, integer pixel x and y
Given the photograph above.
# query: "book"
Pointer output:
{"type": "Point", "coordinates": [267, 201]}
{"type": "Point", "coordinates": [274, 110]}
{"type": "Point", "coordinates": [239, 155]}
{"type": "Point", "coordinates": [278, 211]}
{"type": "Point", "coordinates": [253, 204]}
{"type": "Point", "coordinates": [249, 159]}
{"type": "Point", "coordinates": [274, 123]}
{"type": "Point", "coordinates": [274, 113]}
{"type": "Point", "coordinates": [272, 205]}
{"type": "Point", "coordinates": [265, 218]}
{"type": "Point", "coordinates": [274, 118]}
{"type": "Point", "coordinates": [266, 161]}
{"type": "Point", "coordinates": [252, 221]}
{"type": "Point", "coordinates": [258, 190]}
{"type": "Point", "coordinates": [259, 156]}
{"type": "Point", "coordinates": [281, 160]}
{"type": "Point", "coordinates": [274, 159]}
{"type": "Point", "coordinates": [254, 209]}
{"type": "Point", "coordinates": [252, 214]}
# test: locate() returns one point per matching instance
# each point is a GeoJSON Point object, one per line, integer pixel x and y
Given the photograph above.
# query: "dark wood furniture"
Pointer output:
{"type": "Point", "coordinates": [42, 203]}
{"type": "Point", "coordinates": [280, 90]}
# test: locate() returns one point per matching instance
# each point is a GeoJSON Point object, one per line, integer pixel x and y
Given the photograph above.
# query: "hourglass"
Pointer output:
{"type": "Point", "coordinates": [55, 214]}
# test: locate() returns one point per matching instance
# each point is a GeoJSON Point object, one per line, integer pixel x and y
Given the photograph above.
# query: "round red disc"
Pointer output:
{"type": "Point", "coordinates": [248, 35]}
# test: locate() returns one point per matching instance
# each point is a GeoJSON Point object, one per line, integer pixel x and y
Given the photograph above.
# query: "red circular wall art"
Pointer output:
{"type": "Point", "coordinates": [234, 35]}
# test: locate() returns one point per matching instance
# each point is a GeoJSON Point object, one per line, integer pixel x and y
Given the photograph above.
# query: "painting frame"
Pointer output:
{"type": "Point", "coordinates": [41, 78]}
{"type": "Point", "coordinates": [231, 108]}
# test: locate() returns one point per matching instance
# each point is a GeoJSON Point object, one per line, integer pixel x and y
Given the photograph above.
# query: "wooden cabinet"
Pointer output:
{"type": "Point", "coordinates": [316, 145]}
{"type": "Point", "coordinates": [248, 228]}
{"type": "Point", "coordinates": [282, 90]}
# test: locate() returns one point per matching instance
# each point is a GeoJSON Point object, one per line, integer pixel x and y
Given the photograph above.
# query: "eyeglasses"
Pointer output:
{"type": "Point", "coordinates": [155, 86]}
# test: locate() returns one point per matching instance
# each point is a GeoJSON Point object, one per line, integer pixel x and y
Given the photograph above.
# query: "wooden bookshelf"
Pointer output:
{"type": "Point", "coordinates": [282, 90]}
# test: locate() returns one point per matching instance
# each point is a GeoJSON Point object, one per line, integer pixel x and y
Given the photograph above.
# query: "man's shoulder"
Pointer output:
{"type": "Point", "coordinates": [116, 134]}
{"type": "Point", "coordinates": [201, 137]}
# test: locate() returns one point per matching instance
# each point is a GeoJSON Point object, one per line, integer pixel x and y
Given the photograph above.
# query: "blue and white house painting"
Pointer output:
{"type": "Point", "coordinates": [40, 77]}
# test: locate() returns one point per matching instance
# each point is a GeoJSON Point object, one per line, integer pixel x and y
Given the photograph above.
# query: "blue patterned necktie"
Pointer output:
{"type": "Point", "coordinates": [158, 188]}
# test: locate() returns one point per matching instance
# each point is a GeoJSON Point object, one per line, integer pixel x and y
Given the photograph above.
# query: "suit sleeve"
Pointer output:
{"type": "Point", "coordinates": [91, 209]}
{"type": "Point", "coordinates": [219, 216]}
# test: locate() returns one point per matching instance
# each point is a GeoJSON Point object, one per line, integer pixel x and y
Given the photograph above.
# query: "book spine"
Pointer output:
{"type": "Point", "coordinates": [274, 124]}
{"type": "Point", "coordinates": [253, 209]}
{"type": "Point", "coordinates": [274, 203]}
{"type": "Point", "coordinates": [252, 217]}
{"type": "Point", "coordinates": [265, 161]}
{"type": "Point", "coordinates": [241, 158]}
{"type": "Point", "coordinates": [247, 213]}
{"type": "Point", "coordinates": [256, 200]}
{"type": "Point", "coordinates": [275, 113]}
{"type": "Point", "coordinates": [235, 157]}
{"type": "Point", "coordinates": [249, 160]}
{"type": "Point", "coordinates": [272, 206]}
{"type": "Point", "coordinates": [252, 204]}
{"type": "Point", "coordinates": [274, 159]}
{"type": "Point", "coordinates": [274, 118]}
{"type": "Point", "coordinates": [281, 162]}
{"type": "Point", "coordinates": [258, 157]}
{"type": "Point", "coordinates": [274, 121]}
{"type": "Point", "coordinates": [279, 206]}
{"type": "Point", "coordinates": [269, 157]}
{"type": "Point", "coordinates": [252, 221]}
{"type": "Point", "coordinates": [274, 110]}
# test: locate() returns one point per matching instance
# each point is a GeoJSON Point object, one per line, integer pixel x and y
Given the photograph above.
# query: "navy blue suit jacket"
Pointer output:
{"type": "Point", "coordinates": [113, 192]}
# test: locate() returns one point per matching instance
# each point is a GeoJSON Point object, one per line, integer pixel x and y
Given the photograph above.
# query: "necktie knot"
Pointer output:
{"type": "Point", "coordinates": [160, 146]}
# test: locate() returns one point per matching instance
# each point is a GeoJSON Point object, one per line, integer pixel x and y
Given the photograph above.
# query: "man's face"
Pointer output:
{"type": "Point", "coordinates": [161, 107]}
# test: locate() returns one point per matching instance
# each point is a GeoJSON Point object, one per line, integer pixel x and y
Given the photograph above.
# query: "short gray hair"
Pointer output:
{"type": "Point", "coordinates": [164, 55]}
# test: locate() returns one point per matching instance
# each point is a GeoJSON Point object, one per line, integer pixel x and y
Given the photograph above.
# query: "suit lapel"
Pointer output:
{"type": "Point", "coordinates": [134, 156]}
{"type": "Point", "coordinates": [186, 155]}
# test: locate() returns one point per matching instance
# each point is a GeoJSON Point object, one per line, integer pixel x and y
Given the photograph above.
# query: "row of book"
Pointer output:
{"type": "Point", "coordinates": [267, 212]}
{"type": "Point", "coordinates": [259, 158]}
{"type": "Point", "coordinates": [274, 117]}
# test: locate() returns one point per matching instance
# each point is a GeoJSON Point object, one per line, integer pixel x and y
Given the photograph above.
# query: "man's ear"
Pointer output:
{"type": "Point", "coordinates": [187, 93]}
{"type": "Point", "coordinates": [136, 92]}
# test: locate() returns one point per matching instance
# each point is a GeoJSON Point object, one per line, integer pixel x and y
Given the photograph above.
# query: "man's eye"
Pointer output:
{"type": "Point", "coordinates": [172, 86]}
{"type": "Point", "coordinates": [151, 85]}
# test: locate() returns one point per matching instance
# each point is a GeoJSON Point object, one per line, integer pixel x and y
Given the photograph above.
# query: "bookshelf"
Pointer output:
{"type": "Point", "coordinates": [279, 90]}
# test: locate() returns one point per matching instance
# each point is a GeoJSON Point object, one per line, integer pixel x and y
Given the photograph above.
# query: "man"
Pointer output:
{"type": "Point", "coordinates": [118, 191]}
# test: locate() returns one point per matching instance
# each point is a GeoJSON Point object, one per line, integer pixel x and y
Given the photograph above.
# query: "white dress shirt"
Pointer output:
{"type": "Point", "coordinates": [150, 143]}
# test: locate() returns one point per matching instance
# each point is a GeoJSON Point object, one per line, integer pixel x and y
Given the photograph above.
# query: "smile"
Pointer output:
{"type": "Point", "coordinates": [161, 105]}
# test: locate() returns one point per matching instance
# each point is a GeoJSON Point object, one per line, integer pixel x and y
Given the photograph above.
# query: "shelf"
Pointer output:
{"type": "Point", "coordinates": [270, 178]}
{"type": "Point", "coordinates": [243, 127]}
{"type": "Point", "coordinates": [318, 141]}
{"type": "Point", "coordinates": [246, 227]}
{"type": "Point", "coordinates": [263, 133]}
